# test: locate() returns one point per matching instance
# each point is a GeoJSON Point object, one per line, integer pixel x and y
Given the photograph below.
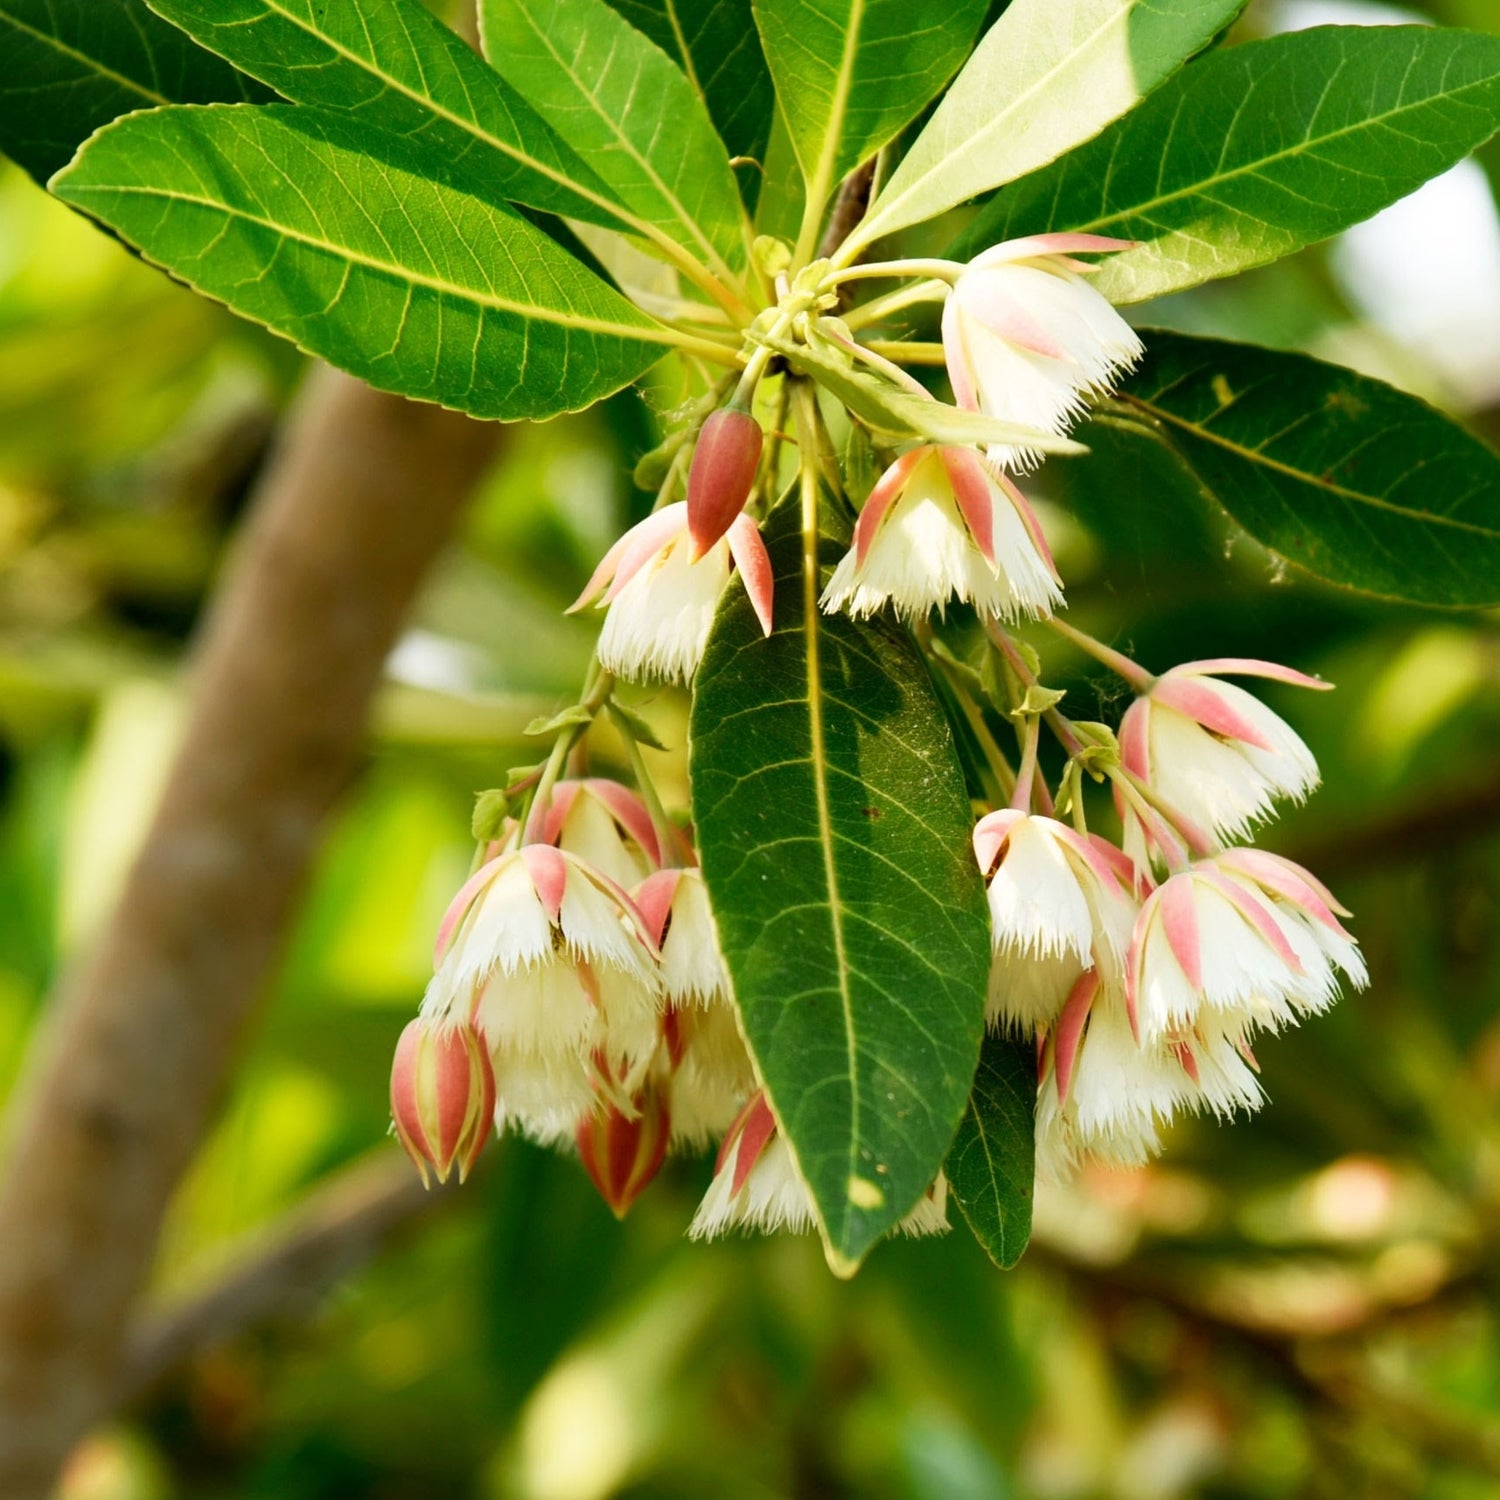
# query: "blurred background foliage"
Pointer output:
{"type": "Point", "coordinates": [1302, 1304]}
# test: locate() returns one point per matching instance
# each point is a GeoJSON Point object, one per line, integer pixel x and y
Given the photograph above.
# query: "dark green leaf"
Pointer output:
{"type": "Point", "coordinates": [991, 1168]}
{"type": "Point", "coordinates": [715, 44]}
{"type": "Point", "coordinates": [834, 829]}
{"type": "Point", "coordinates": [850, 73]}
{"type": "Point", "coordinates": [394, 66]}
{"type": "Point", "coordinates": [622, 104]}
{"type": "Point", "coordinates": [355, 246]}
{"type": "Point", "coordinates": [1338, 474]}
{"type": "Point", "coordinates": [74, 65]}
{"type": "Point", "coordinates": [1046, 76]}
{"type": "Point", "coordinates": [1255, 151]}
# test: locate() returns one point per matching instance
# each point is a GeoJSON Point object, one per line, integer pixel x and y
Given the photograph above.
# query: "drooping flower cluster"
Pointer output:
{"type": "Point", "coordinates": [1144, 977]}
{"type": "Point", "coordinates": [579, 993]}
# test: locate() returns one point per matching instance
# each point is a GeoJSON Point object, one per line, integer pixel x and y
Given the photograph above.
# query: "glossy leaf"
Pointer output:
{"type": "Point", "coordinates": [834, 828]}
{"type": "Point", "coordinates": [850, 73]}
{"type": "Point", "coordinates": [74, 65]}
{"type": "Point", "coordinates": [1048, 75]}
{"type": "Point", "coordinates": [991, 1168]}
{"type": "Point", "coordinates": [356, 247]}
{"type": "Point", "coordinates": [1257, 150]}
{"type": "Point", "coordinates": [622, 104]}
{"type": "Point", "coordinates": [1339, 474]}
{"type": "Point", "coordinates": [715, 43]}
{"type": "Point", "coordinates": [394, 66]}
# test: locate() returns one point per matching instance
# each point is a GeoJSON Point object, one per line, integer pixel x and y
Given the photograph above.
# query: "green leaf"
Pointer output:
{"type": "Point", "coordinates": [1338, 474]}
{"type": "Point", "coordinates": [850, 73]}
{"type": "Point", "coordinates": [1048, 74]}
{"type": "Point", "coordinates": [74, 65]}
{"type": "Point", "coordinates": [620, 102]}
{"type": "Point", "coordinates": [394, 66]}
{"type": "Point", "coordinates": [354, 245]}
{"type": "Point", "coordinates": [1255, 151]}
{"type": "Point", "coordinates": [834, 828]}
{"type": "Point", "coordinates": [715, 44]}
{"type": "Point", "coordinates": [991, 1168]}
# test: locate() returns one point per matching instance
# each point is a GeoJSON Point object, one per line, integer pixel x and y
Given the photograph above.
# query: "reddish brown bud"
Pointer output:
{"type": "Point", "coordinates": [725, 459]}
{"type": "Point", "coordinates": [442, 1096]}
{"type": "Point", "coordinates": [622, 1154]}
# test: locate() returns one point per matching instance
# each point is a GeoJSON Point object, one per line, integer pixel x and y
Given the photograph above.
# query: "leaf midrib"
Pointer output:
{"type": "Point", "coordinates": [817, 751]}
{"type": "Point", "coordinates": [532, 311]}
{"type": "Point", "coordinates": [1256, 456]}
{"type": "Point", "coordinates": [91, 63]}
{"type": "Point", "coordinates": [822, 182]}
{"type": "Point", "coordinates": [1203, 184]}
{"type": "Point", "coordinates": [872, 231]}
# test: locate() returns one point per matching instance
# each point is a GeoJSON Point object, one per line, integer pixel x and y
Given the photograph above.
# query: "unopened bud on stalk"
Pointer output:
{"type": "Point", "coordinates": [442, 1096]}
{"type": "Point", "coordinates": [725, 460]}
{"type": "Point", "coordinates": [623, 1153]}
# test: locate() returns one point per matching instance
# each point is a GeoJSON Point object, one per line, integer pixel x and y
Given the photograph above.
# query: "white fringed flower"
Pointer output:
{"type": "Point", "coordinates": [661, 602]}
{"type": "Point", "coordinates": [1060, 905]}
{"type": "Point", "coordinates": [674, 904]}
{"type": "Point", "coordinates": [1027, 338]}
{"type": "Point", "coordinates": [1104, 1096]}
{"type": "Point", "coordinates": [756, 1186]}
{"type": "Point", "coordinates": [1238, 941]}
{"type": "Point", "coordinates": [938, 526]}
{"type": "Point", "coordinates": [1213, 752]}
{"type": "Point", "coordinates": [605, 825]}
{"type": "Point", "coordinates": [551, 961]}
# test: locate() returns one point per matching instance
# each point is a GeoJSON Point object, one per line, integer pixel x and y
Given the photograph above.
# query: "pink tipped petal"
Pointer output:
{"type": "Point", "coordinates": [653, 899]}
{"type": "Point", "coordinates": [1256, 913]}
{"type": "Point", "coordinates": [564, 795]}
{"type": "Point", "coordinates": [975, 498]}
{"type": "Point", "coordinates": [624, 899]}
{"type": "Point", "coordinates": [1188, 1061]}
{"type": "Point", "coordinates": [986, 300]}
{"type": "Point", "coordinates": [601, 575]}
{"type": "Point", "coordinates": [990, 834]}
{"type": "Point", "coordinates": [1028, 520]}
{"type": "Point", "coordinates": [1243, 1048]}
{"type": "Point", "coordinates": [644, 541]}
{"type": "Point", "coordinates": [1249, 666]}
{"type": "Point", "coordinates": [453, 1079]}
{"type": "Point", "coordinates": [1090, 851]}
{"type": "Point", "coordinates": [548, 869]}
{"type": "Point", "coordinates": [1285, 879]}
{"type": "Point", "coordinates": [754, 1136]}
{"type": "Point", "coordinates": [1075, 1012]}
{"type": "Point", "coordinates": [886, 492]}
{"type": "Point", "coordinates": [957, 358]}
{"type": "Point", "coordinates": [460, 904]}
{"type": "Point", "coordinates": [404, 1103]}
{"type": "Point", "coordinates": [1135, 739]}
{"type": "Point", "coordinates": [1179, 918]}
{"type": "Point", "coordinates": [748, 549]}
{"type": "Point", "coordinates": [1119, 863]}
{"type": "Point", "coordinates": [1199, 701]}
{"type": "Point", "coordinates": [485, 1113]}
{"type": "Point", "coordinates": [1066, 242]}
{"type": "Point", "coordinates": [629, 811]}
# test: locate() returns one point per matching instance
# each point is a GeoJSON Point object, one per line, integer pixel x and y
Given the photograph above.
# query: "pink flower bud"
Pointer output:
{"type": "Point", "coordinates": [442, 1096]}
{"type": "Point", "coordinates": [725, 459]}
{"type": "Point", "coordinates": [622, 1153]}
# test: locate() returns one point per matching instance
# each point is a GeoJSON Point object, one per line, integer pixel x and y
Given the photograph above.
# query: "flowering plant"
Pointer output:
{"type": "Point", "coordinates": [900, 950]}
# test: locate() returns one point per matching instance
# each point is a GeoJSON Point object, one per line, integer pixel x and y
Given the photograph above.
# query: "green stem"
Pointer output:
{"type": "Point", "coordinates": [1135, 675]}
{"type": "Point", "coordinates": [666, 830]}
{"type": "Point", "coordinates": [938, 270]}
{"type": "Point", "coordinates": [878, 308]}
{"type": "Point", "coordinates": [598, 685]}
